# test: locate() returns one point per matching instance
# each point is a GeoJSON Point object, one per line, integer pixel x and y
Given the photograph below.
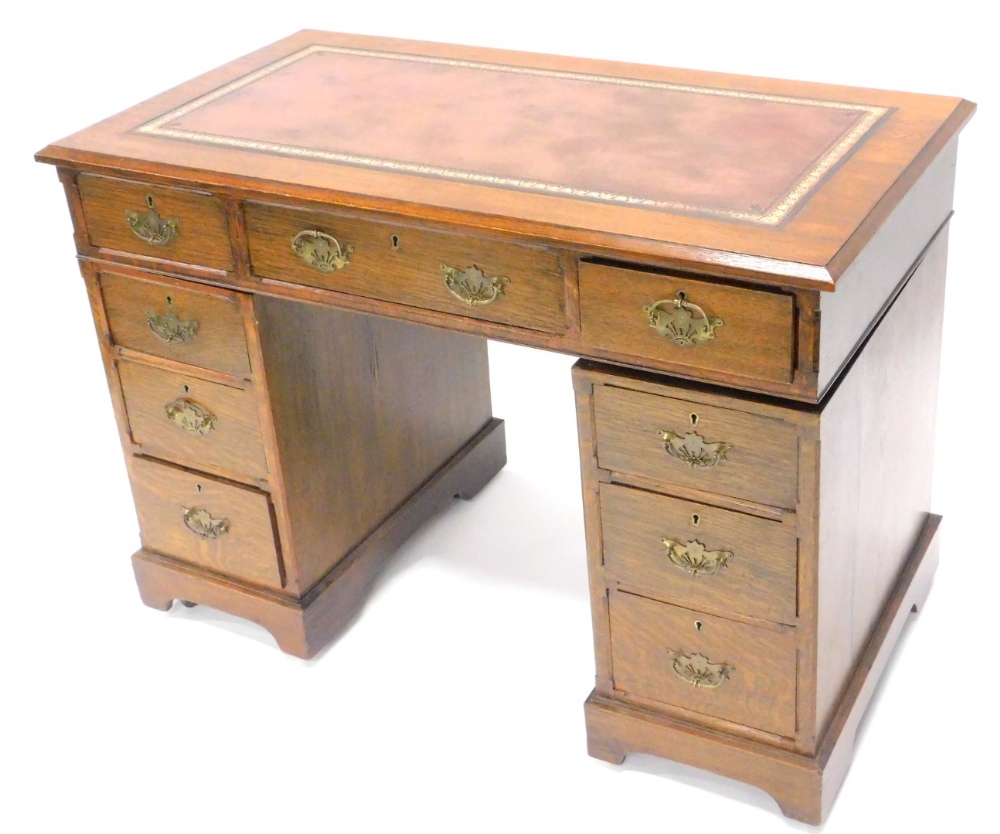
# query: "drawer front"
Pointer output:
{"type": "Point", "coordinates": [187, 325]}
{"type": "Point", "coordinates": [192, 421]}
{"type": "Point", "coordinates": [701, 556]}
{"type": "Point", "coordinates": [164, 223]}
{"type": "Point", "coordinates": [754, 338]}
{"type": "Point", "coordinates": [713, 449]}
{"type": "Point", "coordinates": [517, 285]}
{"type": "Point", "coordinates": [215, 525]}
{"type": "Point", "coordinates": [710, 665]}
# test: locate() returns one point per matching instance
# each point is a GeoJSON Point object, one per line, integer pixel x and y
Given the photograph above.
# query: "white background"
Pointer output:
{"type": "Point", "coordinates": [455, 702]}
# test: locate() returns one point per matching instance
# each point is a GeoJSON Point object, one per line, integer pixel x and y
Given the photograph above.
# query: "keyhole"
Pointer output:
{"type": "Point", "coordinates": [198, 487]}
{"type": "Point", "coordinates": [149, 200]}
{"type": "Point", "coordinates": [698, 625]}
{"type": "Point", "coordinates": [694, 419]}
{"type": "Point", "coordinates": [696, 519]}
{"type": "Point", "coordinates": [170, 301]}
{"type": "Point", "coordinates": [394, 241]}
{"type": "Point", "coordinates": [186, 389]}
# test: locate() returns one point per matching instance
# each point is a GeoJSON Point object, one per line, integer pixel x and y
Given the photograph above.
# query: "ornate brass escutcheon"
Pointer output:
{"type": "Point", "coordinates": [472, 286]}
{"type": "Point", "coordinates": [321, 251]}
{"type": "Point", "coordinates": [201, 523]}
{"type": "Point", "coordinates": [681, 321]}
{"type": "Point", "coordinates": [190, 417]}
{"type": "Point", "coordinates": [699, 671]}
{"type": "Point", "coordinates": [150, 227]}
{"type": "Point", "coordinates": [170, 328]}
{"type": "Point", "coordinates": [693, 449]}
{"type": "Point", "coordinates": [695, 559]}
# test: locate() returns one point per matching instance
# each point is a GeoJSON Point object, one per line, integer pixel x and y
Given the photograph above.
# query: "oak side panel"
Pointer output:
{"type": "Point", "coordinates": [875, 472]}
{"type": "Point", "coordinates": [365, 410]}
{"type": "Point", "coordinates": [868, 284]}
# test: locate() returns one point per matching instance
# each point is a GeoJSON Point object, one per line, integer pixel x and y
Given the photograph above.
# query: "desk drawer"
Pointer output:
{"type": "Point", "coordinates": [156, 222]}
{"type": "Point", "coordinates": [709, 665]}
{"type": "Point", "coordinates": [197, 519]}
{"type": "Point", "coordinates": [754, 338]}
{"type": "Point", "coordinates": [518, 285]}
{"type": "Point", "coordinates": [196, 327]}
{"type": "Point", "coordinates": [191, 421]}
{"type": "Point", "coordinates": [714, 449]}
{"type": "Point", "coordinates": [700, 556]}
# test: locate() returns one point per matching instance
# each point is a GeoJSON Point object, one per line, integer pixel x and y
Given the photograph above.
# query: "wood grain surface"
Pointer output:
{"type": "Point", "coordinates": [248, 551]}
{"type": "Point", "coordinates": [234, 444]}
{"type": "Point", "coordinates": [220, 343]}
{"type": "Point", "coordinates": [759, 579]}
{"type": "Point", "coordinates": [202, 235]}
{"type": "Point", "coordinates": [365, 410]}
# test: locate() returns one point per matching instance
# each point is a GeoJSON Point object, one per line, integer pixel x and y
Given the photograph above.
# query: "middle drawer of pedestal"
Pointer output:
{"type": "Point", "coordinates": [698, 555]}
{"type": "Point", "coordinates": [710, 665]}
{"type": "Point", "coordinates": [192, 421]}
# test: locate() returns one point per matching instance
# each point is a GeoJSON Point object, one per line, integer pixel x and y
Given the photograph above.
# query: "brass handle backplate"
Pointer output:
{"type": "Point", "coordinates": [201, 523]}
{"type": "Point", "coordinates": [170, 328]}
{"type": "Point", "coordinates": [699, 671]}
{"type": "Point", "coordinates": [695, 559]}
{"type": "Point", "coordinates": [693, 449]}
{"type": "Point", "coordinates": [681, 321]}
{"type": "Point", "coordinates": [150, 227]}
{"type": "Point", "coordinates": [190, 417]}
{"type": "Point", "coordinates": [472, 286]}
{"type": "Point", "coordinates": [321, 251]}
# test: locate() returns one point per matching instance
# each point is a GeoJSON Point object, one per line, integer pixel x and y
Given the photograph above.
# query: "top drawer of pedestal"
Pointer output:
{"type": "Point", "coordinates": [484, 278]}
{"type": "Point", "coordinates": [170, 224]}
{"type": "Point", "coordinates": [689, 323]}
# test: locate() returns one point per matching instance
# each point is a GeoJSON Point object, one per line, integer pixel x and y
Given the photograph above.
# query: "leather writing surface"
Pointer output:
{"type": "Point", "coordinates": [744, 156]}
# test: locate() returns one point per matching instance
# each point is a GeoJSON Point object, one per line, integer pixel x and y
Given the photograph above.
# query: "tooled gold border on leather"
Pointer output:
{"type": "Point", "coordinates": [771, 216]}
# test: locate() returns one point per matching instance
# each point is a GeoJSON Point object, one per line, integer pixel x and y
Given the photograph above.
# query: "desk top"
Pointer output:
{"type": "Point", "coordinates": [777, 177]}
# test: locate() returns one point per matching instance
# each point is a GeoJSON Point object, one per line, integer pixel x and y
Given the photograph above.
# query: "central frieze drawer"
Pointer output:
{"type": "Point", "coordinates": [220, 526]}
{"type": "Point", "coordinates": [700, 555]}
{"type": "Point", "coordinates": [193, 421]}
{"type": "Point", "coordinates": [488, 279]}
{"type": "Point", "coordinates": [717, 450]}
{"type": "Point", "coordinates": [740, 673]}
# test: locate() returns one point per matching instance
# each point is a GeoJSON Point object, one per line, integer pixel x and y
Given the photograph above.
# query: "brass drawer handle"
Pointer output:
{"type": "Point", "coordinates": [170, 328]}
{"type": "Point", "coordinates": [472, 286]}
{"type": "Point", "coordinates": [321, 251]}
{"type": "Point", "coordinates": [681, 321]}
{"type": "Point", "coordinates": [693, 450]}
{"type": "Point", "coordinates": [699, 671]}
{"type": "Point", "coordinates": [150, 227]}
{"type": "Point", "coordinates": [190, 417]}
{"type": "Point", "coordinates": [695, 559]}
{"type": "Point", "coordinates": [201, 523]}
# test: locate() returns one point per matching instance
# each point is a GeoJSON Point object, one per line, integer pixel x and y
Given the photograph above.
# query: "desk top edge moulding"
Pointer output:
{"type": "Point", "coordinates": [294, 263]}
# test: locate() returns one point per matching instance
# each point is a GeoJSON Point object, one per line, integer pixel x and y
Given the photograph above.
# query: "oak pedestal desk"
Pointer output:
{"type": "Point", "coordinates": [294, 263]}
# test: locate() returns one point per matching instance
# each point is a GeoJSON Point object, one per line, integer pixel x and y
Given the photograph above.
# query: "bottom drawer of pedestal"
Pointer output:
{"type": "Point", "coordinates": [718, 667]}
{"type": "Point", "coordinates": [206, 522]}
